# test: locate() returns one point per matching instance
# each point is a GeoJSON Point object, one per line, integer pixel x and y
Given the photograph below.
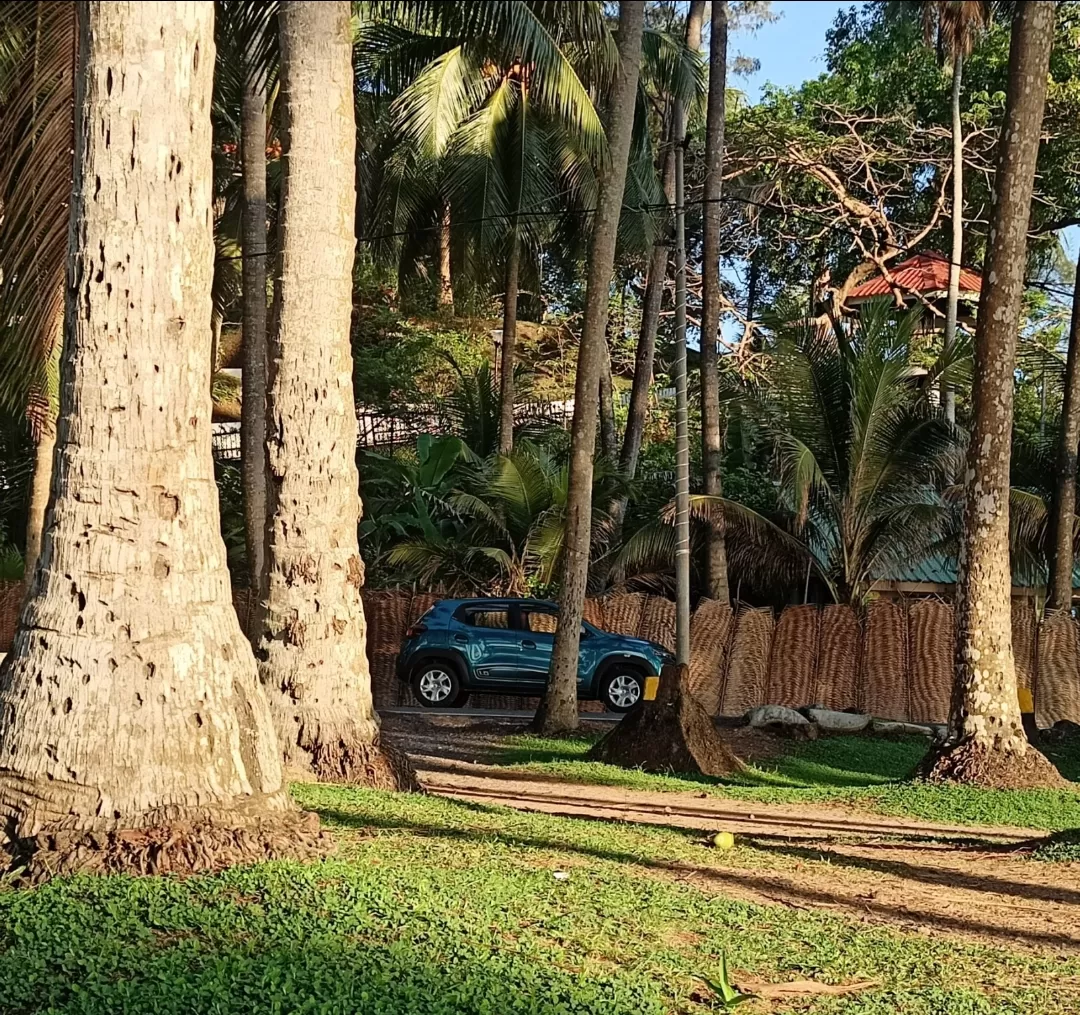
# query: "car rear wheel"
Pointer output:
{"type": "Point", "coordinates": [437, 685]}
{"type": "Point", "coordinates": [622, 690]}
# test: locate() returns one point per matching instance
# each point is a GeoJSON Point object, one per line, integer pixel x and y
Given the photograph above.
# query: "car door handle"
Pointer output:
{"type": "Point", "coordinates": [463, 638]}
{"type": "Point", "coordinates": [528, 644]}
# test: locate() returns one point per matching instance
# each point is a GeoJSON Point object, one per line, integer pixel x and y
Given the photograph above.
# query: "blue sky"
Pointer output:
{"type": "Point", "coordinates": [791, 49]}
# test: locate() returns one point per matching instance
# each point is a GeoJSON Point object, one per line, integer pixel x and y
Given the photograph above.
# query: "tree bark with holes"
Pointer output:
{"type": "Point", "coordinates": [712, 219]}
{"type": "Point", "coordinates": [253, 375]}
{"type": "Point", "coordinates": [1064, 518]}
{"type": "Point", "coordinates": [559, 710]}
{"type": "Point", "coordinates": [311, 648]}
{"type": "Point", "coordinates": [987, 743]}
{"type": "Point", "coordinates": [509, 345]}
{"type": "Point", "coordinates": [133, 730]}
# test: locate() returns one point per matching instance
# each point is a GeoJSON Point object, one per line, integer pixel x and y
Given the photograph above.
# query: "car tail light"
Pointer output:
{"type": "Point", "coordinates": [414, 630]}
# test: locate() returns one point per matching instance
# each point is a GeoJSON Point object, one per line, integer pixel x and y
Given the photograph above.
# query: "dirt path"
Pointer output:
{"type": "Point", "coordinates": [934, 878]}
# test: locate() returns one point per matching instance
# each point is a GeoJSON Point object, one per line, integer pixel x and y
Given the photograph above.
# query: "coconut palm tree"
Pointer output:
{"type": "Point", "coordinates": [1063, 556]}
{"type": "Point", "coordinates": [712, 217]}
{"type": "Point", "coordinates": [987, 743]}
{"type": "Point", "coordinates": [502, 525]}
{"type": "Point", "coordinates": [311, 640]}
{"type": "Point", "coordinates": [36, 98]}
{"type": "Point", "coordinates": [134, 730]}
{"type": "Point", "coordinates": [499, 127]}
{"type": "Point", "coordinates": [861, 459]}
{"type": "Point", "coordinates": [558, 710]}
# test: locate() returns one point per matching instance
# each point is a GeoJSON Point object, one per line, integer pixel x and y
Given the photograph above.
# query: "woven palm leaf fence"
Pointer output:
{"type": "Point", "coordinates": [893, 660]}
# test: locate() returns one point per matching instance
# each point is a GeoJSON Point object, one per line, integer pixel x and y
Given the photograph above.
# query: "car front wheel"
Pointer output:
{"type": "Point", "coordinates": [622, 690]}
{"type": "Point", "coordinates": [436, 685]}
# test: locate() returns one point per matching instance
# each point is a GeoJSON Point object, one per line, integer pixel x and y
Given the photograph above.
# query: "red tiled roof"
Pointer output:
{"type": "Point", "coordinates": [924, 273]}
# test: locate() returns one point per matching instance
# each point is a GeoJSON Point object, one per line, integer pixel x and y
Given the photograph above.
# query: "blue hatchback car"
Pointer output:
{"type": "Point", "coordinates": [503, 646]}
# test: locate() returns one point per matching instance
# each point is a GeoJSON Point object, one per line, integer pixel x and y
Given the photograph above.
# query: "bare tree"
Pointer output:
{"type": "Point", "coordinates": [134, 732]}
{"type": "Point", "coordinates": [558, 710]}
{"type": "Point", "coordinates": [987, 742]}
{"type": "Point", "coordinates": [311, 651]}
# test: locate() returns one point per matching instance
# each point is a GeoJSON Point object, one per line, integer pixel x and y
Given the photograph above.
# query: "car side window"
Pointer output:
{"type": "Point", "coordinates": [497, 619]}
{"type": "Point", "coordinates": [541, 623]}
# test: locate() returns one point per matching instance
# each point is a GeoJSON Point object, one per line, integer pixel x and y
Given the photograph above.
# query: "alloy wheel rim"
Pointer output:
{"type": "Point", "coordinates": [624, 691]}
{"type": "Point", "coordinates": [435, 685]}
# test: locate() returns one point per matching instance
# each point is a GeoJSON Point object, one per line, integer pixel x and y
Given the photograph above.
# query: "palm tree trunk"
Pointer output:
{"type": "Point", "coordinates": [40, 483]}
{"type": "Point", "coordinates": [446, 283]}
{"type": "Point", "coordinates": [253, 375]}
{"type": "Point", "coordinates": [558, 710]}
{"type": "Point", "coordinates": [645, 354]}
{"type": "Point", "coordinates": [216, 322]}
{"type": "Point", "coordinates": [509, 347]}
{"type": "Point", "coordinates": [712, 215]}
{"type": "Point", "coordinates": [311, 649]}
{"type": "Point", "coordinates": [130, 698]}
{"type": "Point", "coordinates": [949, 394]}
{"type": "Point", "coordinates": [1064, 520]}
{"type": "Point", "coordinates": [609, 438]}
{"type": "Point", "coordinates": [988, 745]}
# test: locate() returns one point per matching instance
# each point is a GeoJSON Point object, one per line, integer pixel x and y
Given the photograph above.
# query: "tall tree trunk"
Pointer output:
{"type": "Point", "coordinates": [957, 227]}
{"type": "Point", "coordinates": [712, 216]}
{"type": "Point", "coordinates": [446, 283]}
{"type": "Point", "coordinates": [40, 483]}
{"type": "Point", "coordinates": [988, 744]}
{"type": "Point", "coordinates": [509, 346]}
{"type": "Point", "coordinates": [558, 710]}
{"type": "Point", "coordinates": [1064, 520]}
{"type": "Point", "coordinates": [609, 438]}
{"type": "Point", "coordinates": [130, 699]}
{"type": "Point", "coordinates": [645, 354]}
{"type": "Point", "coordinates": [44, 411]}
{"type": "Point", "coordinates": [311, 650]}
{"type": "Point", "coordinates": [216, 322]}
{"type": "Point", "coordinates": [253, 375]}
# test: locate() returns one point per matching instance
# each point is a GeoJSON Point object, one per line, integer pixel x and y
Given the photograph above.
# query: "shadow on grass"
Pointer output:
{"type": "Point", "coordinates": [762, 886]}
{"type": "Point", "coordinates": [830, 763]}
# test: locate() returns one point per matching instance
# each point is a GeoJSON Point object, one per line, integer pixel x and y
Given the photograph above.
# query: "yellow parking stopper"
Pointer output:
{"type": "Point", "coordinates": [652, 685]}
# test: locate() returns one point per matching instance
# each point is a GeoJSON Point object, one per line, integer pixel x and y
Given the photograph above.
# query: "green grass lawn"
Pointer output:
{"type": "Point", "coordinates": [435, 907]}
{"type": "Point", "coordinates": [862, 771]}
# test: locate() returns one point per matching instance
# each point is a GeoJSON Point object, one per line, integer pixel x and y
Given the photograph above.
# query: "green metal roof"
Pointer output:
{"type": "Point", "coordinates": [941, 570]}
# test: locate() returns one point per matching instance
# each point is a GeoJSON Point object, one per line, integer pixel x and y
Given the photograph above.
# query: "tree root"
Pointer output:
{"type": "Point", "coordinates": [674, 733]}
{"type": "Point", "coordinates": [167, 849]}
{"type": "Point", "coordinates": [970, 762]}
{"type": "Point", "coordinates": [375, 766]}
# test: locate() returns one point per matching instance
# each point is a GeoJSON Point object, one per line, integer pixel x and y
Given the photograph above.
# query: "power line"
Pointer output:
{"type": "Point", "coordinates": [533, 214]}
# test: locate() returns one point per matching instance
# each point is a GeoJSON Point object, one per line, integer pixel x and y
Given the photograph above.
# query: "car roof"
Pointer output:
{"type": "Point", "coordinates": [490, 601]}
